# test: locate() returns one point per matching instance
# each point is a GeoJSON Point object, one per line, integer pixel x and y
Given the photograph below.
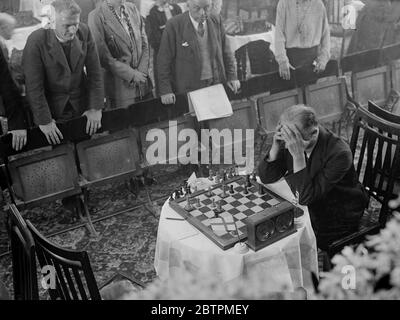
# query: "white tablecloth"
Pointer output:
{"type": "Point", "coordinates": [287, 262]}
{"type": "Point", "coordinates": [235, 42]}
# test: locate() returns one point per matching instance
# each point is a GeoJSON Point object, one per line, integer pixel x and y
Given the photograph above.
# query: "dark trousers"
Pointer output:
{"type": "Point", "coordinates": [302, 56]}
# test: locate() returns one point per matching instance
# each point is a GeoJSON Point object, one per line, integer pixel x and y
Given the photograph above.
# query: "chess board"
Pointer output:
{"type": "Point", "coordinates": [228, 227]}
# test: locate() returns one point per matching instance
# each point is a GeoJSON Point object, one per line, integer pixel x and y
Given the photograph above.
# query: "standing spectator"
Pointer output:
{"type": "Point", "coordinates": [63, 73]}
{"type": "Point", "coordinates": [378, 25]}
{"type": "Point", "coordinates": [86, 6]}
{"type": "Point", "coordinates": [13, 106]}
{"type": "Point", "coordinates": [194, 53]}
{"type": "Point", "coordinates": [302, 35]}
{"type": "Point", "coordinates": [7, 26]}
{"type": "Point", "coordinates": [119, 32]}
{"type": "Point", "coordinates": [159, 14]}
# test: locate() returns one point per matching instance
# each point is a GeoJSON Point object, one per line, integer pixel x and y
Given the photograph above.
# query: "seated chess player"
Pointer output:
{"type": "Point", "coordinates": [318, 167]}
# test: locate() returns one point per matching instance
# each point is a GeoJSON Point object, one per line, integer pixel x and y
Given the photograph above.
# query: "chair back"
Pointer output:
{"type": "Point", "coordinates": [376, 149]}
{"type": "Point", "coordinates": [74, 278]}
{"type": "Point", "coordinates": [108, 158]}
{"type": "Point", "coordinates": [272, 106]}
{"type": "Point", "coordinates": [23, 257]}
{"type": "Point", "coordinates": [373, 84]}
{"type": "Point", "coordinates": [382, 113]}
{"type": "Point", "coordinates": [45, 175]}
{"type": "Point", "coordinates": [328, 98]}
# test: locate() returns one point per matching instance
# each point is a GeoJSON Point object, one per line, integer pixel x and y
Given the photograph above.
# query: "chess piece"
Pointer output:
{"type": "Point", "coordinates": [248, 183]}
{"type": "Point", "coordinates": [261, 190]}
{"type": "Point", "coordinates": [198, 204]}
{"type": "Point", "coordinates": [223, 194]}
{"type": "Point", "coordinates": [246, 191]}
{"type": "Point", "coordinates": [188, 206]}
{"type": "Point", "coordinates": [219, 209]}
{"type": "Point", "coordinates": [213, 205]}
{"type": "Point", "coordinates": [231, 189]}
{"type": "Point", "coordinates": [195, 189]}
{"type": "Point", "coordinates": [209, 192]}
{"type": "Point", "coordinates": [254, 176]}
{"type": "Point", "coordinates": [210, 176]}
{"type": "Point", "coordinates": [241, 247]}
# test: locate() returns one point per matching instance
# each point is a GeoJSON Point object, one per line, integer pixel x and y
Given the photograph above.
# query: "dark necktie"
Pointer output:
{"type": "Point", "coordinates": [200, 29]}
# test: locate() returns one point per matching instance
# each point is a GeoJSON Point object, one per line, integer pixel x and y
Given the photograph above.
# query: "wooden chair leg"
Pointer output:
{"type": "Point", "coordinates": [83, 204]}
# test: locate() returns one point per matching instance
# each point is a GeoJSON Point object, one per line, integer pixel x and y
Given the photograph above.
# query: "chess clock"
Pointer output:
{"type": "Point", "coordinates": [270, 225]}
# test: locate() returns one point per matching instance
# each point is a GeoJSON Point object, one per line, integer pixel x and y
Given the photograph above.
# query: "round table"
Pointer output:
{"type": "Point", "coordinates": [287, 262]}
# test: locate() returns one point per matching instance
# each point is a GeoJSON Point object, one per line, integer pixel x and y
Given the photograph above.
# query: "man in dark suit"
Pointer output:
{"type": "Point", "coordinates": [13, 106]}
{"type": "Point", "coordinates": [318, 167]}
{"type": "Point", "coordinates": [63, 74]}
{"type": "Point", "coordinates": [158, 16]}
{"type": "Point", "coordinates": [194, 53]}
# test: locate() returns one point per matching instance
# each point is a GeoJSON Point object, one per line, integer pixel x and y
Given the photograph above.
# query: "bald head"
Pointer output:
{"type": "Point", "coordinates": [7, 25]}
{"type": "Point", "coordinates": [199, 9]}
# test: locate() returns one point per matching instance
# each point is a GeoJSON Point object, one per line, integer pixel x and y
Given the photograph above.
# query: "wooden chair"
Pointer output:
{"type": "Point", "coordinates": [373, 84]}
{"type": "Point", "coordinates": [382, 113]}
{"type": "Point", "coordinates": [243, 118]}
{"type": "Point", "coordinates": [40, 176]}
{"type": "Point", "coordinates": [329, 100]}
{"type": "Point", "coordinates": [270, 108]}
{"type": "Point", "coordinates": [376, 146]}
{"type": "Point", "coordinates": [105, 159]}
{"type": "Point", "coordinates": [74, 278]}
{"type": "Point", "coordinates": [24, 269]}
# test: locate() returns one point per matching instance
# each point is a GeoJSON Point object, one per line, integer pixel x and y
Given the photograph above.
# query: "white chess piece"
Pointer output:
{"type": "Point", "coordinates": [241, 247]}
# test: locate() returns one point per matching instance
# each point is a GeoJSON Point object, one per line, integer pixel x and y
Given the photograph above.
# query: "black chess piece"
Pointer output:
{"type": "Point", "coordinates": [198, 204]}
{"type": "Point", "coordinates": [213, 205]}
{"type": "Point", "coordinates": [248, 183]}
{"type": "Point", "coordinates": [231, 189]}
{"type": "Point", "coordinates": [246, 191]}
{"type": "Point", "coordinates": [254, 176]}
{"type": "Point", "coordinates": [261, 190]}
{"type": "Point", "coordinates": [219, 209]}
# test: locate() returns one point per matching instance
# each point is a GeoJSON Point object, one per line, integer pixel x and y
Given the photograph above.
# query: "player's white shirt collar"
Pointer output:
{"type": "Point", "coordinates": [196, 24]}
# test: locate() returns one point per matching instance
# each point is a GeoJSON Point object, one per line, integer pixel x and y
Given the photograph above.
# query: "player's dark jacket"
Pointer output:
{"type": "Point", "coordinates": [328, 186]}
{"type": "Point", "coordinates": [13, 104]}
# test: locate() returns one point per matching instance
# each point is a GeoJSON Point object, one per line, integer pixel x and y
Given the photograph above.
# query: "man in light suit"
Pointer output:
{"type": "Point", "coordinates": [121, 39]}
{"type": "Point", "coordinates": [63, 73]}
{"type": "Point", "coordinates": [194, 53]}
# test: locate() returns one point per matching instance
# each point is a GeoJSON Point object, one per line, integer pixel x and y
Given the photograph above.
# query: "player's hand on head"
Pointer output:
{"type": "Point", "coordinates": [168, 98]}
{"type": "Point", "coordinates": [293, 140]}
{"type": "Point", "coordinates": [93, 120]}
{"type": "Point", "coordinates": [18, 139]}
{"type": "Point", "coordinates": [51, 132]}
